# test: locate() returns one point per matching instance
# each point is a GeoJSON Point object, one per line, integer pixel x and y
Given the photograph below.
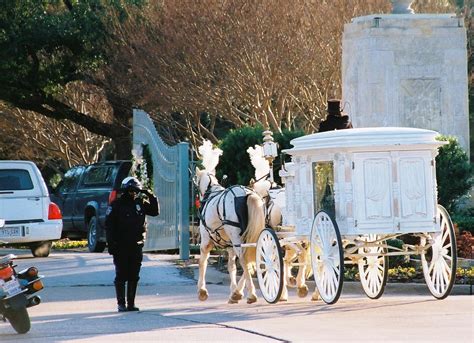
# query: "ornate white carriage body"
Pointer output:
{"type": "Point", "coordinates": [378, 180]}
{"type": "Point", "coordinates": [347, 193]}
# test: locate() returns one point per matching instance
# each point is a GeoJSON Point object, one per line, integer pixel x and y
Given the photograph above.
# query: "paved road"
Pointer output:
{"type": "Point", "coordinates": [79, 306]}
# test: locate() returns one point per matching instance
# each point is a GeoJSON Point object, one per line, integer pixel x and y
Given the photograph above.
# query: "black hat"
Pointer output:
{"type": "Point", "coordinates": [334, 106]}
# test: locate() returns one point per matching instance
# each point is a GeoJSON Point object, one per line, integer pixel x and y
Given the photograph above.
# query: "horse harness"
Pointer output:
{"type": "Point", "coordinates": [222, 194]}
{"type": "Point", "coordinates": [269, 205]}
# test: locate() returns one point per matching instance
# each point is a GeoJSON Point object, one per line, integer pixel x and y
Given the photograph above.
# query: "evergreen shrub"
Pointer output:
{"type": "Point", "coordinates": [235, 161]}
{"type": "Point", "coordinates": [453, 173]}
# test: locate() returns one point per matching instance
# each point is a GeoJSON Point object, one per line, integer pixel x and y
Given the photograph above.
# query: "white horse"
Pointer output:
{"type": "Point", "coordinates": [221, 226]}
{"type": "Point", "coordinates": [273, 219]}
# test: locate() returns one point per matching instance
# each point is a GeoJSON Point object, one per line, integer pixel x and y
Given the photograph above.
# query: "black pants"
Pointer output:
{"type": "Point", "coordinates": [128, 263]}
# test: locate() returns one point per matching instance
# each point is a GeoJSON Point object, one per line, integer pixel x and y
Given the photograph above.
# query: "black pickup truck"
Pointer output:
{"type": "Point", "coordinates": [83, 197]}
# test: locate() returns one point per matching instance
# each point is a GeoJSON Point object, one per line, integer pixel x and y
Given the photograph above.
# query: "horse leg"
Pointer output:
{"type": "Point", "coordinates": [245, 280]}
{"type": "Point", "coordinates": [315, 296]}
{"type": "Point", "coordinates": [284, 292]}
{"type": "Point", "coordinates": [206, 247]}
{"type": "Point", "coordinates": [238, 292]}
{"type": "Point", "coordinates": [290, 254]}
{"type": "Point", "coordinates": [251, 295]}
{"type": "Point", "coordinates": [302, 289]}
{"type": "Point", "coordinates": [235, 291]}
{"type": "Point", "coordinates": [232, 268]}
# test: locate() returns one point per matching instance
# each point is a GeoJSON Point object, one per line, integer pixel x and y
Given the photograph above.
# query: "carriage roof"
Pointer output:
{"type": "Point", "coordinates": [357, 139]}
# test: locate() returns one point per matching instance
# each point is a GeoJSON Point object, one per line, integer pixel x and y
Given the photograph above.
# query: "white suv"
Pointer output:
{"type": "Point", "coordinates": [27, 216]}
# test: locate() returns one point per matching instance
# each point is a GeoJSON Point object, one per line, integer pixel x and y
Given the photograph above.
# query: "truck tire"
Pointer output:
{"type": "Point", "coordinates": [19, 319]}
{"type": "Point", "coordinates": [41, 249]}
{"type": "Point", "coordinates": [93, 242]}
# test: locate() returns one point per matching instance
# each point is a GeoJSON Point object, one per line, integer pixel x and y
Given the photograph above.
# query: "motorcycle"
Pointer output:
{"type": "Point", "coordinates": [17, 293]}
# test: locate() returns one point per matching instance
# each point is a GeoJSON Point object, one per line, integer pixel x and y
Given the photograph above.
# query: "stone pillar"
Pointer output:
{"type": "Point", "coordinates": [407, 70]}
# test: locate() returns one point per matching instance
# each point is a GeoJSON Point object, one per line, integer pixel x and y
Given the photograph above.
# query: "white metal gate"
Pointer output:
{"type": "Point", "coordinates": [170, 230]}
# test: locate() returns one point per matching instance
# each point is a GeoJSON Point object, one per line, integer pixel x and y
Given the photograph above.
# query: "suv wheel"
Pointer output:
{"type": "Point", "coordinates": [93, 236]}
{"type": "Point", "coordinates": [41, 249]}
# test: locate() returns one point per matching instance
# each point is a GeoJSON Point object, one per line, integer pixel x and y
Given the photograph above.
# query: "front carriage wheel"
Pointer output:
{"type": "Point", "coordinates": [327, 258]}
{"type": "Point", "coordinates": [373, 267]}
{"type": "Point", "coordinates": [269, 266]}
{"type": "Point", "coordinates": [439, 260]}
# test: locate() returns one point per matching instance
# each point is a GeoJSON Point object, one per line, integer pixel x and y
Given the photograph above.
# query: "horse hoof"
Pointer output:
{"type": "Point", "coordinates": [283, 300]}
{"type": "Point", "coordinates": [232, 301]}
{"type": "Point", "coordinates": [291, 281]}
{"type": "Point", "coordinates": [315, 297]}
{"type": "Point", "coordinates": [203, 295]}
{"type": "Point", "coordinates": [252, 299]}
{"type": "Point", "coordinates": [302, 291]}
{"type": "Point", "coordinates": [236, 296]}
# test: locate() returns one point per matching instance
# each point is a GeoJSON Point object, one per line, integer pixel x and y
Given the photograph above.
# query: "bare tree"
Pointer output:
{"type": "Point", "coordinates": [201, 63]}
{"type": "Point", "coordinates": [198, 66]}
{"type": "Point", "coordinates": [57, 144]}
{"type": "Point", "coordinates": [433, 6]}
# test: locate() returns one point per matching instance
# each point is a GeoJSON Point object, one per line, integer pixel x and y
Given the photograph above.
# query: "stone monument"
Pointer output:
{"type": "Point", "coordinates": [409, 70]}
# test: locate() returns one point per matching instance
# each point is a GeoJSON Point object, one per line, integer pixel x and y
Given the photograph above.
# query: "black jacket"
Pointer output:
{"type": "Point", "coordinates": [125, 221]}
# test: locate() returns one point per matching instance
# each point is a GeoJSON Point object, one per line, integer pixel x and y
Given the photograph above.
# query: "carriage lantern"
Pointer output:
{"type": "Point", "coordinates": [269, 150]}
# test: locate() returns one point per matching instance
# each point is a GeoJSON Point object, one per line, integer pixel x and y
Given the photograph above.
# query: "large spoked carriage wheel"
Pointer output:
{"type": "Point", "coordinates": [327, 257]}
{"type": "Point", "coordinates": [269, 266]}
{"type": "Point", "coordinates": [373, 268]}
{"type": "Point", "coordinates": [439, 261]}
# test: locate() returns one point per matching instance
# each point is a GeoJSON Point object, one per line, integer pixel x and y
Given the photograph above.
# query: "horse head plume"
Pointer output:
{"type": "Point", "coordinates": [209, 156]}
{"type": "Point", "coordinates": [262, 168]}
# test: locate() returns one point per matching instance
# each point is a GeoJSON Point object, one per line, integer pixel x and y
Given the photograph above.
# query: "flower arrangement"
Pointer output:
{"type": "Point", "coordinates": [142, 166]}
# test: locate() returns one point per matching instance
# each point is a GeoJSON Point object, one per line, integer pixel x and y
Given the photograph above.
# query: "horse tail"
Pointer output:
{"type": "Point", "coordinates": [256, 224]}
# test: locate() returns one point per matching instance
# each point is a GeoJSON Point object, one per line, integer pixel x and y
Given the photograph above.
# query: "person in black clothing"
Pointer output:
{"type": "Point", "coordinates": [125, 228]}
{"type": "Point", "coordinates": [336, 119]}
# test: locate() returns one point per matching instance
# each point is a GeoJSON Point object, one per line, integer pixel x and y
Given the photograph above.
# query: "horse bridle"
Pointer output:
{"type": "Point", "coordinates": [214, 234]}
{"type": "Point", "coordinates": [209, 186]}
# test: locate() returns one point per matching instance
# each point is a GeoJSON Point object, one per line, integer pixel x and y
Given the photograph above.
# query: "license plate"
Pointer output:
{"type": "Point", "coordinates": [12, 287]}
{"type": "Point", "coordinates": [10, 231]}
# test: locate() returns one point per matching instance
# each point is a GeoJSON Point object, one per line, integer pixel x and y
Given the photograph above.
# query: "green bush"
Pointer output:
{"type": "Point", "coordinates": [453, 173]}
{"type": "Point", "coordinates": [235, 161]}
{"type": "Point", "coordinates": [465, 220]}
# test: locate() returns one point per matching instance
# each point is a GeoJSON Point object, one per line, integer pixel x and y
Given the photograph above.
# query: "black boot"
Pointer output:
{"type": "Point", "coordinates": [131, 291]}
{"type": "Point", "coordinates": [120, 292]}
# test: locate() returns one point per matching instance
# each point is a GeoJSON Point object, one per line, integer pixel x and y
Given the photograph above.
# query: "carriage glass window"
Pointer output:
{"type": "Point", "coordinates": [323, 187]}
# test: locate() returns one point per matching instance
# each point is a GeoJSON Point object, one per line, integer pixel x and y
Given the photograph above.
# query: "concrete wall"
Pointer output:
{"type": "Point", "coordinates": [407, 70]}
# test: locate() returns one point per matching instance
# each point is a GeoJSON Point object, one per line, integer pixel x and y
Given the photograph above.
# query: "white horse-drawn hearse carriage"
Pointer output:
{"type": "Point", "coordinates": [348, 192]}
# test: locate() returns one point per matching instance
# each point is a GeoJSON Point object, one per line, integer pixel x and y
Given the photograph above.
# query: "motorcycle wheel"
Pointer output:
{"type": "Point", "coordinates": [19, 319]}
